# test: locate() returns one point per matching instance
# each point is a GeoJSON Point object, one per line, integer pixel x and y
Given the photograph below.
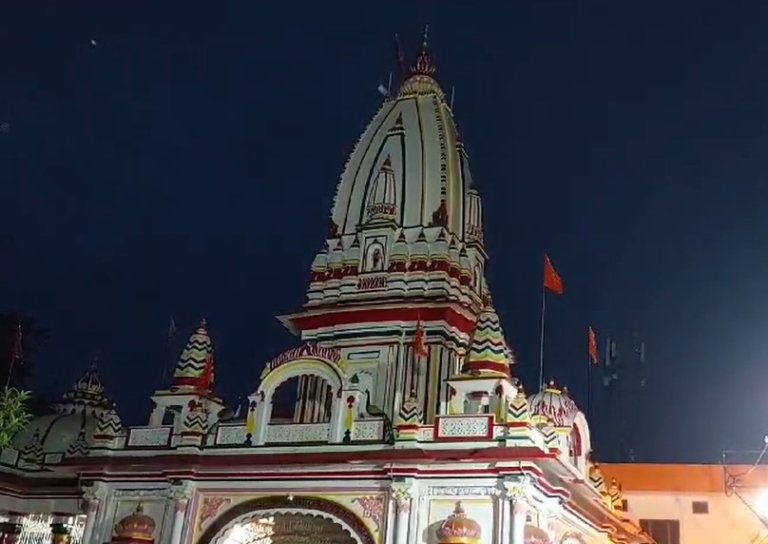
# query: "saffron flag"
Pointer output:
{"type": "Point", "coordinates": [593, 356]}
{"type": "Point", "coordinates": [552, 280]}
{"type": "Point", "coordinates": [419, 345]}
{"type": "Point", "coordinates": [206, 382]}
{"type": "Point", "coordinates": [17, 349]}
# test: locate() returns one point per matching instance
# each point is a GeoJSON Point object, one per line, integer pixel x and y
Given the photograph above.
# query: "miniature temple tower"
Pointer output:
{"type": "Point", "coordinates": [189, 404]}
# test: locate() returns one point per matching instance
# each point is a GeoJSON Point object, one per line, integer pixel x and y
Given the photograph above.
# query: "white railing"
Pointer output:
{"type": "Point", "coordinates": [292, 433]}
{"type": "Point", "coordinates": [368, 429]}
{"type": "Point", "coordinates": [231, 435]}
{"type": "Point", "coordinates": [464, 427]}
{"type": "Point", "coordinates": [149, 436]}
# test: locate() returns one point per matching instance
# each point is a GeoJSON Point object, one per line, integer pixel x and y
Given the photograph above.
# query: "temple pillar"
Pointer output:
{"type": "Point", "coordinates": [504, 517]}
{"type": "Point", "coordinates": [93, 496]}
{"type": "Point", "coordinates": [514, 510]}
{"type": "Point", "coordinates": [179, 495]}
{"type": "Point", "coordinates": [519, 515]}
{"type": "Point", "coordinates": [11, 529]}
{"type": "Point", "coordinates": [403, 500]}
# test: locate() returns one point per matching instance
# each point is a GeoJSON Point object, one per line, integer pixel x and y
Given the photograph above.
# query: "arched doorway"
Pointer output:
{"type": "Point", "coordinates": [280, 520]}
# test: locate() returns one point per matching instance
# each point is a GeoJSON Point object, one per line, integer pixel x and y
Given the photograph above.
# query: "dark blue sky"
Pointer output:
{"type": "Point", "coordinates": [187, 164]}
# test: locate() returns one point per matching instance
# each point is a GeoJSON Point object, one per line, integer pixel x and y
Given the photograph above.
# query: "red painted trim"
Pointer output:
{"type": "Point", "coordinates": [493, 366]}
{"type": "Point", "coordinates": [316, 320]}
{"type": "Point", "coordinates": [493, 454]}
{"type": "Point", "coordinates": [519, 425]}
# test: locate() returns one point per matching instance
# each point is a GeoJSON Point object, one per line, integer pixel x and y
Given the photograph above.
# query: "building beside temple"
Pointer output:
{"type": "Point", "coordinates": [408, 424]}
{"type": "Point", "coordinates": [686, 504]}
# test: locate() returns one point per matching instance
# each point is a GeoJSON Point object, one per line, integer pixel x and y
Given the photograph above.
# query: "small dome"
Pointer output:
{"type": "Point", "coordinates": [553, 405]}
{"type": "Point", "coordinates": [87, 392]}
{"type": "Point", "coordinates": [458, 528]}
{"type": "Point", "coordinates": [136, 526]}
{"type": "Point", "coordinates": [73, 422]}
{"type": "Point", "coordinates": [535, 535]}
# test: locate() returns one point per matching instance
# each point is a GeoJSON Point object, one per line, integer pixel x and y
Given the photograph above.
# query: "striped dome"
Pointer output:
{"type": "Point", "coordinates": [488, 350]}
{"type": "Point", "coordinates": [191, 365]}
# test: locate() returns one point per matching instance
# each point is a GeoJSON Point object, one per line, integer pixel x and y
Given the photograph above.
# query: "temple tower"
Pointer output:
{"type": "Point", "coordinates": [404, 251]}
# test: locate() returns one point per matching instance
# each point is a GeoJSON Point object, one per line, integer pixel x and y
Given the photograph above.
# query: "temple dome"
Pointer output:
{"type": "Point", "coordinates": [409, 166]}
{"type": "Point", "coordinates": [70, 429]}
{"type": "Point", "coordinates": [553, 405]}
{"type": "Point", "coordinates": [458, 528]}
{"type": "Point", "coordinates": [136, 526]}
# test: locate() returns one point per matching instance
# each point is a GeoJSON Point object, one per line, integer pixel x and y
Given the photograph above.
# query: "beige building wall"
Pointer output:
{"type": "Point", "coordinates": [688, 504]}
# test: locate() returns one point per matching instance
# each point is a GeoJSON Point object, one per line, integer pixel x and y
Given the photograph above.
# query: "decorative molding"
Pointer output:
{"type": "Point", "coordinates": [94, 492]}
{"type": "Point", "coordinates": [181, 491]}
{"type": "Point", "coordinates": [518, 491]}
{"type": "Point", "coordinates": [484, 491]}
{"type": "Point", "coordinates": [373, 509]}
{"type": "Point", "coordinates": [211, 507]}
{"type": "Point", "coordinates": [402, 493]}
{"type": "Point", "coordinates": [161, 493]}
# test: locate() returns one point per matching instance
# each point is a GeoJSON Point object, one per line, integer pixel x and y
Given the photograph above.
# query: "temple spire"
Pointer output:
{"type": "Point", "coordinates": [194, 361]}
{"type": "Point", "coordinates": [424, 64]}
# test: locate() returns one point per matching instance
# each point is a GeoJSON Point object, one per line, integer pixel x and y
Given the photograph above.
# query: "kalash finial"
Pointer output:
{"type": "Point", "coordinates": [424, 65]}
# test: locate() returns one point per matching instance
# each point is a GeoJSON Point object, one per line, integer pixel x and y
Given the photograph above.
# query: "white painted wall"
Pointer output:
{"type": "Point", "coordinates": [728, 520]}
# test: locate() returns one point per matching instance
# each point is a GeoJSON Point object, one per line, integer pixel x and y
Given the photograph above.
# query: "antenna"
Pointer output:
{"type": "Point", "coordinates": [453, 94]}
{"type": "Point", "coordinates": [389, 84]}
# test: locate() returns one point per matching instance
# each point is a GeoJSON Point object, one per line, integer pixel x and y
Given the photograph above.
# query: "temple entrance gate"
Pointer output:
{"type": "Point", "coordinates": [284, 520]}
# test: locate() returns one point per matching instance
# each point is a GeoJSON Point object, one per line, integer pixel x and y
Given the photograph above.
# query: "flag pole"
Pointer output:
{"type": "Point", "coordinates": [16, 352]}
{"type": "Point", "coordinates": [589, 387]}
{"type": "Point", "coordinates": [169, 344]}
{"type": "Point", "coordinates": [541, 339]}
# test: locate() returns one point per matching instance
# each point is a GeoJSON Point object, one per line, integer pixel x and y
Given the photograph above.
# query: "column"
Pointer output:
{"type": "Point", "coordinates": [11, 529]}
{"type": "Point", "coordinates": [61, 529]}
{"type": "Point", "coordinates": [519, 514]}
{"type": "Point", "coordinates": [503, 516]}
{"type": "Point", "coordinates": [93, 495]}
{"type": "Point", "coordinates": [402, 498]}
{"type": "Point", "coordinates": [515, 495]}
{"type": "Point", "coordinates": [179, 495]}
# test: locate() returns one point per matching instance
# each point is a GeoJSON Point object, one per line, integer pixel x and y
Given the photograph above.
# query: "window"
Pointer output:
{"type": "Point", "coordinates": [700, 507]}
{"type": "Point", "coordinates": [663, 531]}
{"type": "Point", "coordinates": [623, 506]}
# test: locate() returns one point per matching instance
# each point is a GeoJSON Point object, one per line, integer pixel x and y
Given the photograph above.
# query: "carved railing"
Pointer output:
{"type": "Point", "coordinates": [292, 433]}
{"type": "Point", "coordinates": [149, 437]}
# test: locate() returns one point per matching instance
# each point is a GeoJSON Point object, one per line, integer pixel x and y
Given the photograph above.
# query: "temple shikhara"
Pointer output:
{"type": "Point", "coordinates": [408, 424]}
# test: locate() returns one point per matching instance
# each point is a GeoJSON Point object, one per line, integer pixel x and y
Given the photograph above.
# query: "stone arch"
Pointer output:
{"type": "Point", "coordinates": [216, 532]}
{"type": "Point", "coordinates": [314, 366]}
{"type": "Point", "coordinates": [295, 365]}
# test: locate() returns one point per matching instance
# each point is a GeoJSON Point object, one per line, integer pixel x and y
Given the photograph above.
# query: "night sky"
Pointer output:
{"type": "Point", "coordinates": [186, 165]}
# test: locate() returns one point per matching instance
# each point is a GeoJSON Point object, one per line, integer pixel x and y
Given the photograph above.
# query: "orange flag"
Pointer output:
{"type": "Point", "coordinates": [206, 381]}
{"type": "Point", "coordinates": [419, 346]}
{"type": "Point", "coordinates": [552, 280]}
{"type": "Point", "coordinates": [593, 357]}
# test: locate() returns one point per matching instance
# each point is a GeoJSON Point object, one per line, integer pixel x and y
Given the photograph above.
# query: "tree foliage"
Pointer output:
{"type": "Point", "coordinates": [14, 413]}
